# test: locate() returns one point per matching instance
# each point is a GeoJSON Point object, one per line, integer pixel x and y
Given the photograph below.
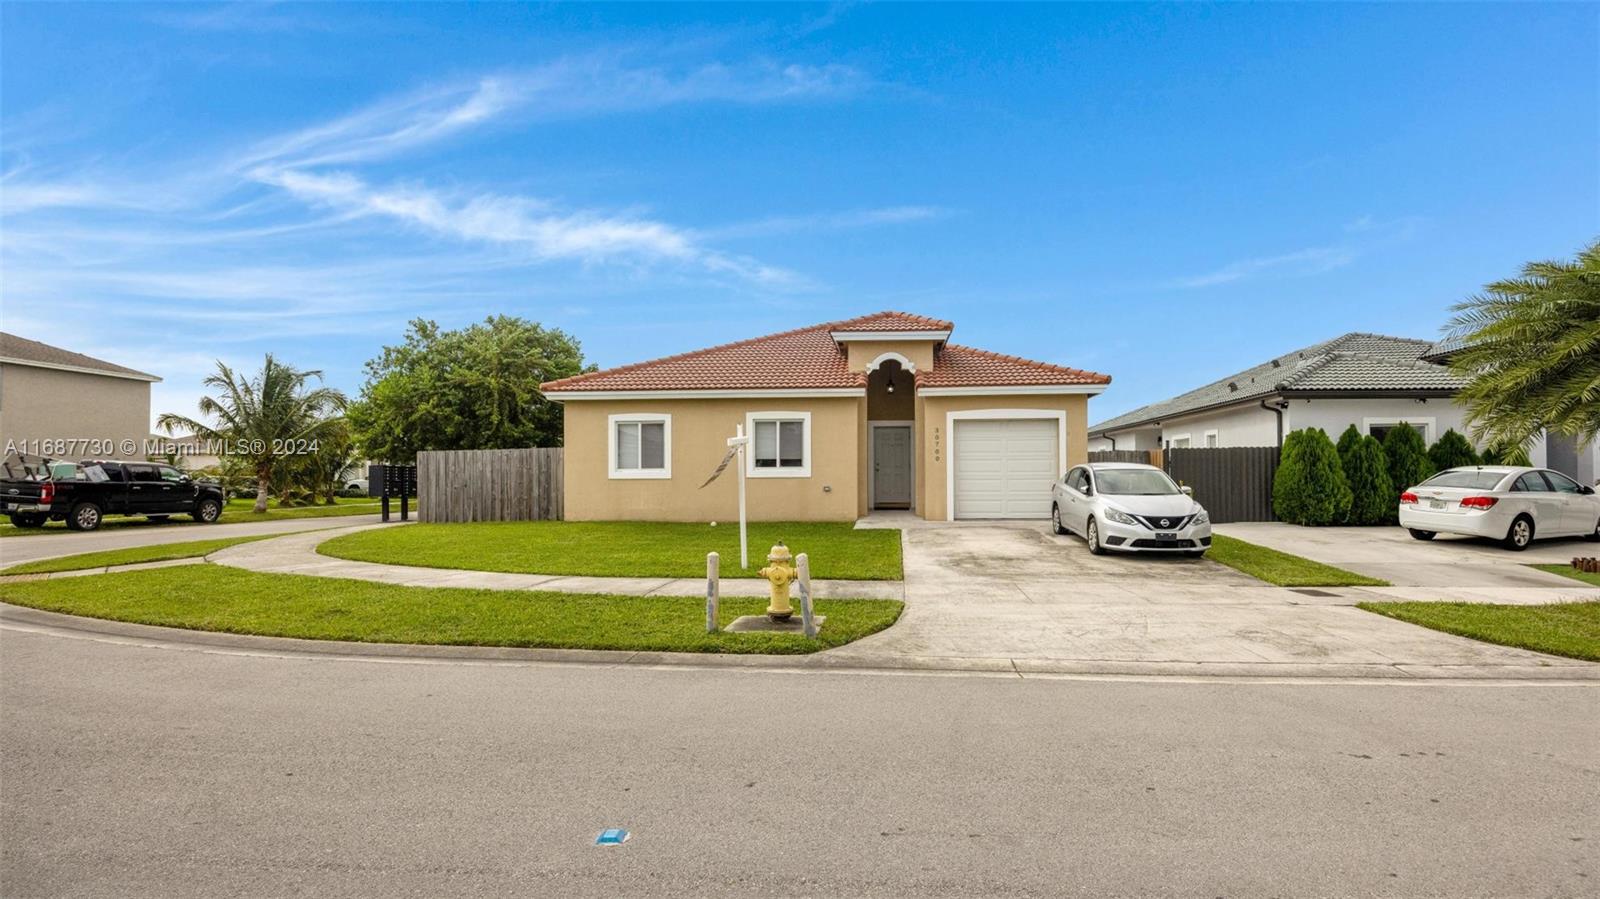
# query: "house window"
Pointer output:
{"type": "Point", "coordinates": [1178, 441]}
{"type": "Point", "coordinates": [1211, 440]}
{"type": "Point", "coordinates": [780, 444]}
{"type": "Point", "coordinates": [1379, 427]}
{"type": "Point", "coordinates": [641, 446]}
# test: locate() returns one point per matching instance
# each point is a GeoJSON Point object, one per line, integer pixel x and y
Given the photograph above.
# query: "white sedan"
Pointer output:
{"type": "Point", "coordinates": [1130, 508]}
{"type": "Point", "coordinates": [1514, 505]}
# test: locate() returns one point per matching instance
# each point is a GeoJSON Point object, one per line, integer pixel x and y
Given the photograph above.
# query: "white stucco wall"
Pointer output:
{"type": "Point", "coordinates": [1248, 424]}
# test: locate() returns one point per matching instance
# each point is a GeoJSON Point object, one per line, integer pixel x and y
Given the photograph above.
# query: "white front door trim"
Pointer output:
{"type": "Point", "coordinates": [950, 420]}
{"type": "Point", "coordinates": [872, 461]}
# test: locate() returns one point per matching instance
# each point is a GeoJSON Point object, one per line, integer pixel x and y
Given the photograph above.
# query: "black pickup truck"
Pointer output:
{"type": "Point", "coordinates": [83, 493]}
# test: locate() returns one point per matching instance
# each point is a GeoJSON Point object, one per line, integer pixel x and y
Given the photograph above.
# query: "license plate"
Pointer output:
{"type": "Point", "coordinates": [1172, 536]}
{"type": "Point", "coordinates": [1436, 504]}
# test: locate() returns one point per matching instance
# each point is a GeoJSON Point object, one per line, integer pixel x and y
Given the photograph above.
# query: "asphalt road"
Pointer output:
{"type": "Point", "coordinates": [139, 771]}
{"type": "Point", "coordinates": [15, 550]}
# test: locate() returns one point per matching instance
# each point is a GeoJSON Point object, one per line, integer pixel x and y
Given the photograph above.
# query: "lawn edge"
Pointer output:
{"type": "Point", "coordinates": [1352, 579]}
{"type": "Point", "coordinates": [1376, 607]}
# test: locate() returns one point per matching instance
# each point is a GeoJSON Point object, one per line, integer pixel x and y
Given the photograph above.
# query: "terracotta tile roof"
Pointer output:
{"type": "Point", "coordinates": [809, 359]}
{"type": "Point", "coordinates": [892, 321]}
{"type": "Point", "coordinates": [964, 366]}
{"type": "Point", "coordinates": [25, 351]}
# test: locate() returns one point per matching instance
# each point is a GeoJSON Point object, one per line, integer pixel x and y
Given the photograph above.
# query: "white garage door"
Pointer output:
{"type": "Point", "coordinates": [1004, 469]}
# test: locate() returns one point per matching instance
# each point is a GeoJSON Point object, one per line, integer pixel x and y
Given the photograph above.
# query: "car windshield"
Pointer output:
{"type": "Point", "coordinates": [1469, 478]}
{"type": "Point", "coordinates": [1133, 482]}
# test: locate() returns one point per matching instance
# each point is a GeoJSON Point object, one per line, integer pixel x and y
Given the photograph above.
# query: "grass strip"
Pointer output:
{"type": "Point", "coordinates": [231, 600]}
{"type": "Point", "coordinates": [1281, 568]}
{"type": "Point", "coordinates": [162, 552]}
{"type": "Point", "coordinates": [1570, 629]}
{"type": "Point", "coordinates": [1589, 578]}
{"type": "Point", "coordinates": [235, 512]}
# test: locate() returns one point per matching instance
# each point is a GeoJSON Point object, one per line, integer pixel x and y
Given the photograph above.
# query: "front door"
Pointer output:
{"type": "Point", "coordinates": [891, 467]}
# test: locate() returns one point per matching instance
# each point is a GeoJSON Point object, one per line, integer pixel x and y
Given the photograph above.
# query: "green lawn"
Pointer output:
{"type": "Point", "coordinates": [159, 553]}
{"type": "Point", "coordinates": [1592, 580]}
{"type": "Point", "coordinates": [217, 598]}
{"type": "Point", "coordinates": [236, 510]}
{"type": "Point", "coordinates": [622, 548]}
{"type": "Point", "coordinates": [1281, 568]}
{"type": "Point", "coordinates": [1565, 629]}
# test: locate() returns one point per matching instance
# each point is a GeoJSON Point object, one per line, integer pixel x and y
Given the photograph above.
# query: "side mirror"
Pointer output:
{"type": "Point", "coordinates": [1187, 490]}
{"type": "Point", "coordinates": [1587, 491]}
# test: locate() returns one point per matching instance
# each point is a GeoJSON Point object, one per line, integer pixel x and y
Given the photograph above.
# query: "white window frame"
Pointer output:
{"type": "Point", "coordinates": [1186, 437]}
{"type": "Point", "coordinates": [1429, 431]}
{"type": "Point", "coordinates": [1206, 439]}
{"type": "Point", "coordinates": [639, 474]}
{"type": "Point", "coordinates": [804, 471]}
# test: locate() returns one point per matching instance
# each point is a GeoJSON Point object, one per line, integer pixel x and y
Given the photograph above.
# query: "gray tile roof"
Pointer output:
{"type": "Point", "coordinates": [1354, 362]}
{"type": "Point", "coordinates": [23, 351]}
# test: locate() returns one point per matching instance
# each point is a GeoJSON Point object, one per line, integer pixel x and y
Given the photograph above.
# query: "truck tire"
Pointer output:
{"type": "Point", "coordinates": [83, 517]}
{"type": "Point", "coordinates": [29, 519]}
{"type": "Point", "coordinates": [207, 511]}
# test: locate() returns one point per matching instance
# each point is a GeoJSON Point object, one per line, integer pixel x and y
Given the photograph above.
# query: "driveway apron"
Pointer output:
{"type": "Point", "coordinates": [1019, 593]}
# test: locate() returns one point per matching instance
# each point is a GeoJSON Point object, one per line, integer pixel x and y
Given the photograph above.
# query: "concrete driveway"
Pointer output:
{"type": "Point", "coordinates": [1446, 561]}
{"type": "Point", "coordinates": [999, 595]}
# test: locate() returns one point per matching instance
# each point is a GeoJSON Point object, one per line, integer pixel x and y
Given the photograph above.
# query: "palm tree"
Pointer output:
{"type": "Point", "coordinates": [1531, 346]}
{"type": "Point", "coordinates": [264, 419]}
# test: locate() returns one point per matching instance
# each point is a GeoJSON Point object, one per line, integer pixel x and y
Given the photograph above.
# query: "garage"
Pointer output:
{"type": "Point", "coordinates": [1004, 467]}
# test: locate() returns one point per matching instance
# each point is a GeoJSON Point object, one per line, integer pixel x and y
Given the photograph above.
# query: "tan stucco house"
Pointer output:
{"type": "Point", "coordinates": [55, 402]}
{"type": "Point", "coordinates": [876, 412]}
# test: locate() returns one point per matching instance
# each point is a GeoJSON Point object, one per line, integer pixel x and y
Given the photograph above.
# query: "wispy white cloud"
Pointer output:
{"type": "Point", "coordinates": [1310, 261]}
{"type": "Point", "coordinates": [828, 221]}
{"type": "Point", "coordinates": [1365, 235]}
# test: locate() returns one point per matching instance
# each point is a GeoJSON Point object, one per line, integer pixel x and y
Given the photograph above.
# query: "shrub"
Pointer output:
{"type": "Point", "coordinates": [1366, 470]}
{"type": "Point", "coordinates": [1452, 451]}
{"type": "Point", "coordinates": [1347, 441]}
{"type": "Point", "coordinates": [1309, 488]}
{"type": "Point", "coordinates": [1409, 466]}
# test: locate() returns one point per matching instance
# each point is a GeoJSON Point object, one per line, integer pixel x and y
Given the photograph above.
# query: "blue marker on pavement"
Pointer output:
{"type": "Point", "coordinates": [615, 836]}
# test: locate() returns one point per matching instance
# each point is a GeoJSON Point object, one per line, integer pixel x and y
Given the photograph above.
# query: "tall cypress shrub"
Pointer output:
{"type": "Point", "coordinates": [1348, 440]}
{"type": "Point", "coordinates": [1310, 488]}
{"type": "Point", "coordinates": [1452, 451]}
{"type": "Point", "coordinates": [1366, 469]}
{"type": "Point", "coordinates": [1409, 465]}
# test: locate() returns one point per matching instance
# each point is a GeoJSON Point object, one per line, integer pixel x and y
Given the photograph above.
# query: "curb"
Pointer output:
{"type": "Point", "coordinates": [839, 661]}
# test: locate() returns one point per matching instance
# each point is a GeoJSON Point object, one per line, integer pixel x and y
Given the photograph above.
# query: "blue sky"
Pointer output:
{"type": "Point", "coordinates": [1162, 193]}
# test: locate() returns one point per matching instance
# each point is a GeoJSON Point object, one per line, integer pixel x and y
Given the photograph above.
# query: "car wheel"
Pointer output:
{"type": "Point", "coordinates": [28, 519]}
{"type": "Point", "coordinates": [1422, 535]}
{"type": "Point", "coordinates": [1091, 536]}
{"type": "Point", "coordinates": [1520, 534]}
{"type": "Point", "coordinates": [1055, 520]}
{"type": "Point", "coordinates": [83, 517]}
{"type": "Point", "coordinates": [207, 511]}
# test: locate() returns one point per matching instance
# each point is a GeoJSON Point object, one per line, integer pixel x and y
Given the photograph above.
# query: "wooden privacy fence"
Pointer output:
{"type": "Point", "coordinates": [1234, 483]}
{"type": "Point", "coordinates": [489, 485]}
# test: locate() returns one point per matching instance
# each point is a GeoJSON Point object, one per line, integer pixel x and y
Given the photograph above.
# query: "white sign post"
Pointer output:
{"type": "Point", "coordinates": [739, 441]}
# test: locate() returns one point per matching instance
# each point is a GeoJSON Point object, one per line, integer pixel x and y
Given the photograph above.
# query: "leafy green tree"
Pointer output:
{"type": "Point", "coordinates": [1366, 470]}
{"type": "Point", "coordinates": [474, 388]}
{"type": "Point", "coordinates": [1310, 487]}
{"type": "Point", "coordinates": [1452, 451]}
{"type": "Point", "coordinates": [264, 420]}
{"type": "Point", "coordinates": [1407, 455]}
{"type": "Point", "coordinates": [1531, 346]}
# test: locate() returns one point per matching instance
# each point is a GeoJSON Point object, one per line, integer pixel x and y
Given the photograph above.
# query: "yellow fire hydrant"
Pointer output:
{"type": "Point", "coordinates": [780, 574]}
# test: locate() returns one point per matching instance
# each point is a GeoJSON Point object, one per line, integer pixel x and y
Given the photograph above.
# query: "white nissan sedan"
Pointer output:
{"type": "Point", "coordinates": [1129, 507]}
{"type": "Point", "coordinates": [1512, 504]}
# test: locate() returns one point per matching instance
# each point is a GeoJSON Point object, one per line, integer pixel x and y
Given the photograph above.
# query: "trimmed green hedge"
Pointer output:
{"type": "Point", "coordinates": [1310, 486]}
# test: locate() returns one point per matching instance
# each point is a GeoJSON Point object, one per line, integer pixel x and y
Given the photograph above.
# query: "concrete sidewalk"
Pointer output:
{"type": "Point", "coordinates": [16, 550]}
{"type": "Point", "coordinates": [297, 554]}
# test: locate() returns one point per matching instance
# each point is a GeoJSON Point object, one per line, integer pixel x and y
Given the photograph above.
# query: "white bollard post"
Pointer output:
{"type": "Point", "coordinates": [744, 541]}
{"type": "Point", "coordinates": [713, 590]}
{"type": "Point", "coordinates": [808, 623]}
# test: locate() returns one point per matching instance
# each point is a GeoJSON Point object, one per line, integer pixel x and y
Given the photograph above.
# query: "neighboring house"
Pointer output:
{"type": "Point", "coordinates": [191, 453]}
{"type": "Point", "coordinates": [876, 412]}
{"type": "Point", "coordinates": [1368, 380]}
{"type": "Point", "coordinates": [59, 403]}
